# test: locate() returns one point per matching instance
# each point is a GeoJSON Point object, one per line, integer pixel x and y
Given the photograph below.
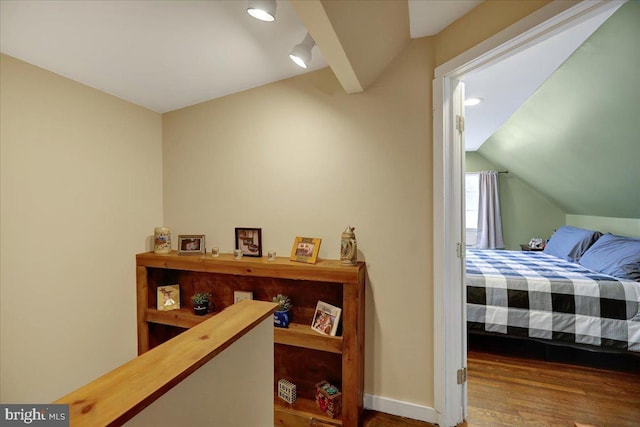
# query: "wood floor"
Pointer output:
{"type": "Point", "coordinates": [508, 391]}
{"type": "Point", "coordinates": [512, 391]}
{"type": "Point", "coordinates": [380, 419]}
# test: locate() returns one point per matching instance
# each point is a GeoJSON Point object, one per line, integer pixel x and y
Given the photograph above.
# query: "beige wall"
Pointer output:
{"type": "Point", "coordinates": [301, 157]}
{"type": "Point", "coordinates": [80, 192]}
{"type": "Point", "coordinates": [482, 22]}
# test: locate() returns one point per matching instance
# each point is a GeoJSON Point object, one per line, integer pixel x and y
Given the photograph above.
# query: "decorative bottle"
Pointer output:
{"type": "Point", "coordinates": [349, 247]}
{"type": "Point", "coordinates": [162, 240]}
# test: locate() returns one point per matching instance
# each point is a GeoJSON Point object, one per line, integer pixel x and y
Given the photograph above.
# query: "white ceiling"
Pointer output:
{"type": "Point", "coordinates": [429, 17]}
{"type": "Point", "coordinates": [166, 54]}
{"type": "Point", "coordinates": [162, 55]}
{"type": "Point", "coordinates": [505, 86]}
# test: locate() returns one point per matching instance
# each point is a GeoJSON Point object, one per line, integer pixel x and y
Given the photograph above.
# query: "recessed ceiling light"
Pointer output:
{"type": "Point", "coordinates": [472, 101]}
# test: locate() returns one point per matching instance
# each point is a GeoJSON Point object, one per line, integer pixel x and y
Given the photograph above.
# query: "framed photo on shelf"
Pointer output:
{"type": "Point", "coordinates": [305, 249]}
{"type": "Point", "coordinates": [241, 296]}
{"type": "Point", "coordinates": [326, 319]}
{"type": "Point", "coordinates": [249, 241]}
{"type": "Point", "coordinates": [168, 297]}
{"type": "Point", "coordinates": [191, 244]}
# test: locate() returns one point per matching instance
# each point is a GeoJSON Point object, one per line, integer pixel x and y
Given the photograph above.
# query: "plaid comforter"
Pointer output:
{"type": "Point", "coordinates": [532, 294]}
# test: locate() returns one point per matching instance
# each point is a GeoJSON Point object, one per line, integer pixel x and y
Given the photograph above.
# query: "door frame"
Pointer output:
{"type": "Point", "coordinates": [449, 334]}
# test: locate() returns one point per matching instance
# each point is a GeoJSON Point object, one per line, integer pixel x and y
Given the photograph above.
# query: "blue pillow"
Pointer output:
{"type": "Point", "coordinates": [616, 256]}
{"type": "Point", "coordinates": [570, 242]}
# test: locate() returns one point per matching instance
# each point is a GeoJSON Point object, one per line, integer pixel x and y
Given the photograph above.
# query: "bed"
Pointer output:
{"type": "Point", "coordinates": [552, 296]}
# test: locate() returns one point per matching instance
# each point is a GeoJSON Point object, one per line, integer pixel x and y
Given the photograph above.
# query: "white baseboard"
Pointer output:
{"type": "Point", "coordinates": [400, 408]}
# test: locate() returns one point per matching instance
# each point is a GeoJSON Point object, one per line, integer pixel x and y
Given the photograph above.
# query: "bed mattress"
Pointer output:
{"type": "Point", "coordinates": [536, 295]}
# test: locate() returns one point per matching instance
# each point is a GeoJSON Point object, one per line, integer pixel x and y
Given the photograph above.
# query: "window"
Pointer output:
{"type": "Point", "coordinates": [472, 194]}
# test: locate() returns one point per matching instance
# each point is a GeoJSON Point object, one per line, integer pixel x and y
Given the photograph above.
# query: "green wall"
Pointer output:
{"type": "Point", "coordinates": [577, 138]}
{"type": "Point", "coordinates": [525, 212]}
{"type": "Point", "coordinates": [621, 226]}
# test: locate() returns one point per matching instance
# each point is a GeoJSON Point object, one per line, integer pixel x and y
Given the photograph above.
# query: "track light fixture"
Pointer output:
{"type": "Point", "coordinates": [301, 53]}
{"type": "Point", "coordinates": [264, 10]}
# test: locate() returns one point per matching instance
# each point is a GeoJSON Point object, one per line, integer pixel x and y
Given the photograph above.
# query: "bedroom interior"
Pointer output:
{"type": "Point", "coordinates": [571, 151]}
{"type": "Point", "coordinates": [569, 160]}
{"type": "Point", "coordinates": [204, 168]}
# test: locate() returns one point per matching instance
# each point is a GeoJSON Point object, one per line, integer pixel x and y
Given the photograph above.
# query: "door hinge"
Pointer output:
{"type": "Point", "coordinates": [459, 123]}
{"type": "Point", "coordinates": [460, 249]}
{"type": "Point", "coordinates": [462, 375]}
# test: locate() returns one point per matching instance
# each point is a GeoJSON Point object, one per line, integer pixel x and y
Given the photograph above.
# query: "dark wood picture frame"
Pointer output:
{"type": "Point", "coordinates": [249, 241]}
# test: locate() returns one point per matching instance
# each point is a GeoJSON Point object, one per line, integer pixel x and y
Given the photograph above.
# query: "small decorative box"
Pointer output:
{"type": "Point", "coordinates": [287, 391]}
{"type": "Point", "coordinates": [328, 399]}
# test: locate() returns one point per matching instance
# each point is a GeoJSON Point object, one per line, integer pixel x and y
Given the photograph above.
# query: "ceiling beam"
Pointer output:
{"type": "Point", "coordinates": [358, 39]}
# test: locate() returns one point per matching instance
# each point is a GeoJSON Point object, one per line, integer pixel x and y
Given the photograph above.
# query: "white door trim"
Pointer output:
{"type": "Point", "coordinates": [449, 333]}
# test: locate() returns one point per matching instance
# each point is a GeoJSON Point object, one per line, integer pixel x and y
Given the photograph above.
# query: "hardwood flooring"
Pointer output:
{"type": "Point", "coordinates": [380, 419]}
{"type": "Point", "coordinates": [512, 391]}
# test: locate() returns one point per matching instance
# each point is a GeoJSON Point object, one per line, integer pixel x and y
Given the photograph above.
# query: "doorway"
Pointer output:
{"type": "Point", "coordinates": [448, 168]}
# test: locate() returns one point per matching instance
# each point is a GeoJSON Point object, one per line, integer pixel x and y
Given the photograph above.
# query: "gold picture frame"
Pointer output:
{"type": "Point", "coordinates": [168, 297]}
{"type": "Point", "coordinates": [305, 249]}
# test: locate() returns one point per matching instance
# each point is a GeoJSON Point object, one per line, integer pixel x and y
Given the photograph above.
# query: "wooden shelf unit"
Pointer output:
{"type": "Point", "coordinates": [301, 355]}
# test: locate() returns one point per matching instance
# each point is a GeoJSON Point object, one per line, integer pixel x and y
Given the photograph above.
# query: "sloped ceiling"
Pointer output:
{"type": "Point", "coordinates": [358, 42]}
{"type": "Point", "coordinates": [577, 138]}
{"type": "Point", "coordinates": [166, 55]}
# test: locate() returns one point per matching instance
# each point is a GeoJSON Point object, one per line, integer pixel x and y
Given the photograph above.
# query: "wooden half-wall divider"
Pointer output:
{"type": "Point", "coordinates": [118, 396]}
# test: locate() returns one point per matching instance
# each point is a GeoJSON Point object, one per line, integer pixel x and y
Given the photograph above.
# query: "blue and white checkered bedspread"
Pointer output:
{"type": "Point", "coordinates": [532, 294]}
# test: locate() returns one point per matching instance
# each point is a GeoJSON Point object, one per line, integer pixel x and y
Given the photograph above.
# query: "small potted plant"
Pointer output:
{"type": "Point", "coordinates": [281, 316]}
{"type": "Point", "coordinates": [200, 302]}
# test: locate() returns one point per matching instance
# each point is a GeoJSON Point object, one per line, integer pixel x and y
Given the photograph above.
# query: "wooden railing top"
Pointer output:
{"type": "Point", "coordinates": [120, 394]}
{"type": "Point", "coordinates": [325, 270]}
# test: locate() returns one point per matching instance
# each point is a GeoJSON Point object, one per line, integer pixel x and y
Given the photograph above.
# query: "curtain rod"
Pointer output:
{"type": "Point", "coordinates": [503, 171]}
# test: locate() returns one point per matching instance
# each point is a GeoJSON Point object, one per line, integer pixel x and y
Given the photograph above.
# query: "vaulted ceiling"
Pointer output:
{"type": "Point", "coordinates": [577, 138]}
{"type": "Point", "coordinates": [506, 85]}
{"type": "Point", "coordinates": [166, 55]}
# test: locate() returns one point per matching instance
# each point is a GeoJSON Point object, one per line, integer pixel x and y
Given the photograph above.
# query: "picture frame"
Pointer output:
{"type": "Point", "coordinates": [249, 241]}
{"type": "Point", "coordinates": [241, 296]}
{"type": "Point", "coordinates": [168, 297]}
{"type": "Point", "coordinates": [326, 319]}
{"type": "Point", "coordinates": [191, 244]}
{"type": "Point", "coordinates": [305, 249]}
